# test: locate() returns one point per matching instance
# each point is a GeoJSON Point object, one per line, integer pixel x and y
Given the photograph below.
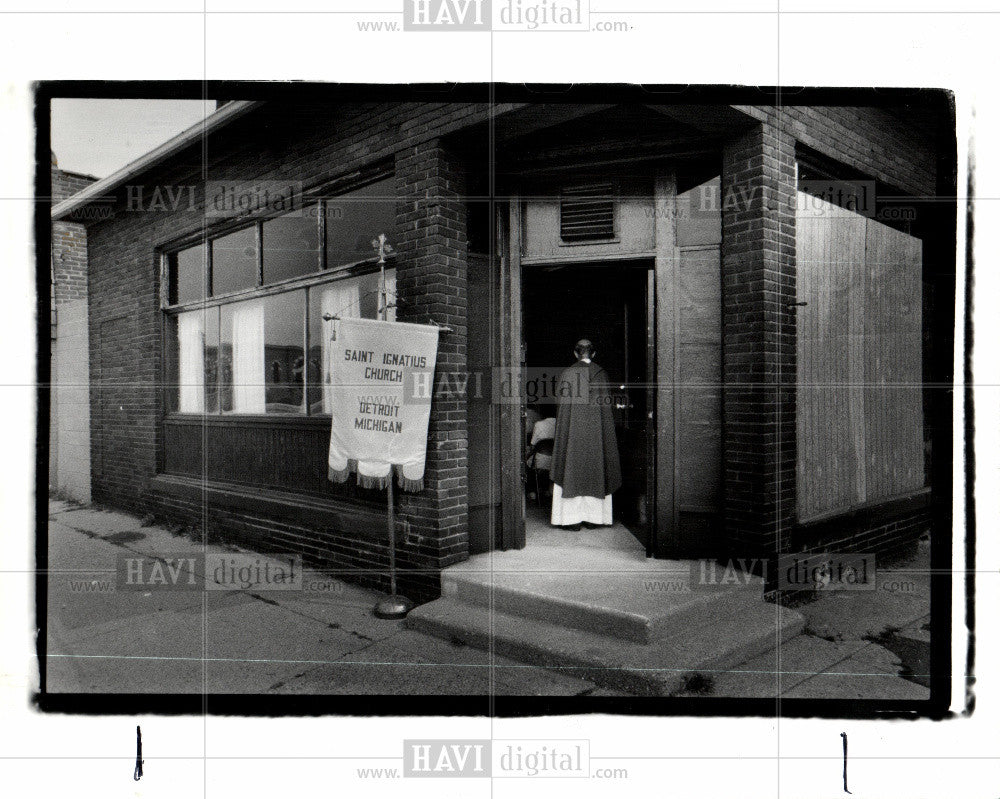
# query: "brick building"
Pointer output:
{"type": "Point", "coordinates": [69, 426]}
{"type": "Point", "coordinates": [769, 403]}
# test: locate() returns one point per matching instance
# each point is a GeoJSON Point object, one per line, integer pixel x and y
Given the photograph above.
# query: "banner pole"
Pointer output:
{"type": "Point", "coordinates": [393, 606]}
{"type": "Point", "coordinates": [391, 516]}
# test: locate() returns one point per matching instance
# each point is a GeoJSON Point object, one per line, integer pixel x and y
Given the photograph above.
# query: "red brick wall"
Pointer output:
{"type": "Point", "coordinates": [66, 184]}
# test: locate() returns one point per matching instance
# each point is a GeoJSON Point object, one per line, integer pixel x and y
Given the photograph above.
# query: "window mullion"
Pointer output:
{"type": "Point", "coordinates": [321, 225]}
{"type": "Point", "coordinates": [305, 351]}
{"type": "Point", "coordinates": [218, 360]}
{"type": "Point", "coordinates": [259, 227]}
{"type": "Point", "coordinates": [208, 267]}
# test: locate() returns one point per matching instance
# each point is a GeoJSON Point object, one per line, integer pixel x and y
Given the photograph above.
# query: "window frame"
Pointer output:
{"type": "Point", "coordinates": [323, 274]}
{"type": "Point", "coordinates": [360, 269]}
{"type": "Point", "coordinates": [205, 236]}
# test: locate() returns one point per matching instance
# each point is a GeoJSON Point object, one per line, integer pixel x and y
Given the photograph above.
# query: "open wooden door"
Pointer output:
{"type": "Point", "coordinates": [650, 504]}
{"type": "Point", "coordinates": [483, 431]}
{"type": "Point", "coordinates": [507, 389]}
{"type": "Point", "coordinates": [689, 373]}
{"type": "Point", "coordinates": [665, 543]}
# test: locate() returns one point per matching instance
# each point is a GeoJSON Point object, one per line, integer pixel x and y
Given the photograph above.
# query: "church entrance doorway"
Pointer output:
{"type": "Point", "coordinates": [611, 304]}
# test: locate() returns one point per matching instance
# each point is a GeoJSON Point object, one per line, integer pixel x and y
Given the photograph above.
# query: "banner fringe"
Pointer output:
{"type": "Point", "coordinates": [408, 484]}
{"type": "Point", "coordinates": [374, 482]}
{"type": "Point", "coordinates": [338, 475]}
{"type": "Point", "coordinates": [370, 481]}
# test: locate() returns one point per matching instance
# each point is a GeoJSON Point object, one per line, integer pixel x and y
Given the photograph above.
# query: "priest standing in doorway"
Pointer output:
{"type": "Point", "coordinates": [585, 466]}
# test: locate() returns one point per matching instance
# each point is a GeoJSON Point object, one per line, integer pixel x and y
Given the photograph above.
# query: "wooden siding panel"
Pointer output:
{"type": "Point", "coordinates": [893, 368]}
{"type": "Point", "coordinates": [858, 414]}
{"type": "Point", "coordinates": [699, 220]}
{"type": "Point", "coordinates": [830, 257]}
{"type": "Point", "coordinates": [699, 394]}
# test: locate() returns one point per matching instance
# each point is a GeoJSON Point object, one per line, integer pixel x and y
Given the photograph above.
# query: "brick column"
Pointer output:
{"type": "Point", "coordinates": [758, 296]}
{"type": "Point", "coordinates": [431, 284]}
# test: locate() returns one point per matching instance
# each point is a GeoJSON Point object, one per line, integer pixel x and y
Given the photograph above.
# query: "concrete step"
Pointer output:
{"type": "Point", "coordinates": [643, 606]}
{"type": "Point", "coordinates": [738, 630]}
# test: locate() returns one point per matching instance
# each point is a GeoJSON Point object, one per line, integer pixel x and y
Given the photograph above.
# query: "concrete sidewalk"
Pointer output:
{"type": "Point", "coordinates": [855, 645]}
{"type": "Point", "coordinates": [325, 640]}
{"type": "Point", "coordinates": [320, 640]}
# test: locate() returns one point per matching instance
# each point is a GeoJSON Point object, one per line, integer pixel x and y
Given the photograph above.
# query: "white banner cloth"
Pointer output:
{"type": "Point", "coordinates": [381, 383]}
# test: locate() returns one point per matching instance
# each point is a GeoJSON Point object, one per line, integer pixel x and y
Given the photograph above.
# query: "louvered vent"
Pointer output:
{"type": "Point", "coordinates": [587, 213]}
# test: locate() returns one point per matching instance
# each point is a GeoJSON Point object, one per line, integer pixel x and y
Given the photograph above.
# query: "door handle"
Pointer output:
{"type": "Point", "coordinates": [649, 415]}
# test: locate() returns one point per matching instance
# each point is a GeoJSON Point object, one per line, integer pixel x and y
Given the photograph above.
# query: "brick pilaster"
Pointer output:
{"type": "Point", "coordinates": [758, 296]}
{"type": "Point", "coordinates": [431, 285]}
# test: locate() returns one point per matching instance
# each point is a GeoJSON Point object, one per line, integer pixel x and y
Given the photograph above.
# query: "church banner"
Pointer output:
{"type": "Point", "coordinates": [381, 380]}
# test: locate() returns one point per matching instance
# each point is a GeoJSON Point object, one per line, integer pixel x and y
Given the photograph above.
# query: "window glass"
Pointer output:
{"type": "Point", "coordinates": [212, 379]}
{"type": "Point", "coordinates": [262, 364]}
{"type": "Point", "coordinates": [172, 358]}
{"type": "Point", "coordinates": [291, 245]}
{"type": "Point", "coordinates": [186, 274]}
{"type": "Point", "coordinates": [347, 298]}
{"type": "Point", "coordinates": [234, 261]}
{"type": "Point", "coordinates": [284, 353]}
{"type": "Point", "coordinates": [249, 357]}
{"type": "Point", "coordinates": [192, 361]}
{"type": "Point", "coordinates": [179, 357]}
{"type": "Point", "coordinates": [241, 349]}
{"type": "Point", "coordinates": [354, 219]}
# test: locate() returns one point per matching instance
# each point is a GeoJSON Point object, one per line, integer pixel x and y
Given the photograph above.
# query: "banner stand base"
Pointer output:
{"type": "Point", "coordinates": [393, 607]}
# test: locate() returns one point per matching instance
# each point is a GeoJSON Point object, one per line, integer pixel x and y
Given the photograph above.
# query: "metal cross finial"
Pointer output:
{"type": "Point", "coordinates": [383, 247]}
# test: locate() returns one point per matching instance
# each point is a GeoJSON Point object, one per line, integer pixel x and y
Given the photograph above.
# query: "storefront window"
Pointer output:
{"type": "Point", "coordinates": [284, 352]}
{"type": "Point", "coordinates": [213, 376]}
{"type": "Point", "coordinates": [234, 261]}
{"type": "Point", "coordinates": [340, 229]}
{"type": "Point", "coordinates": [187, 275]}
{"type": "Point", "coordinates": [348, 298]}
{"type": "Point", "coordinates": [248, 357]}
{"type": "Point", "coordinates": [193, 361]}
{"type": "Point", "coordinates": [291, 245]}
{"type": "Point", "coordinates": [354, 219]}
{"type": "Point", "coordinates": [242, 357]}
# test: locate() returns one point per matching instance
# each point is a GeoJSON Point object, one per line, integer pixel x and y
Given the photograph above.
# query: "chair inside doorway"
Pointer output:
{"type": "Point", "coordinates": [540, 436]}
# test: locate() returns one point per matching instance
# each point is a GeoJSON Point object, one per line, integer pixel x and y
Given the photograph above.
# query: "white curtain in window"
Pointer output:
{"type": "Point", "coordinates": [191, 354]}
{"type": "Point", "coordinates": [248, 357]}
{"type": "Point", "coordinates": [342, 299]}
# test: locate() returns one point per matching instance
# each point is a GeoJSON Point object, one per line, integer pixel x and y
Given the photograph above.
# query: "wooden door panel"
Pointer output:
{"type": "Point", "coordinates": [689, 402]}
